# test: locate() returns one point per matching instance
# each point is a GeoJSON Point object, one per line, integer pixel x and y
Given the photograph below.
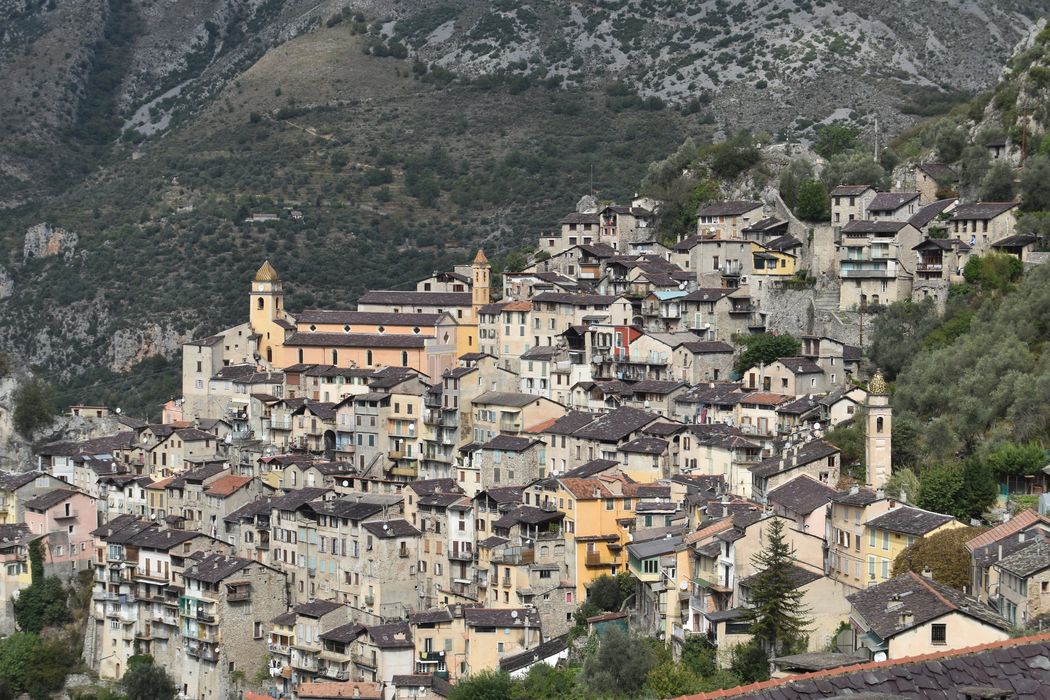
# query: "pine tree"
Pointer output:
{"type": "Point", "coordinates": [776, 611]}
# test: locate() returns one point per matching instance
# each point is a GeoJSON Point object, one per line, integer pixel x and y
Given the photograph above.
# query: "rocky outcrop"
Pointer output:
{"type": "Point", "coordinates": [132, 345]}
{"type": "Point", "coordinates": [44, 241]}
{"type": "Point", "coordinates": [7, 284]}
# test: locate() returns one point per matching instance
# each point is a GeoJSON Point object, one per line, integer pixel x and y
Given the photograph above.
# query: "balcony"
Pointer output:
{"type": "Point", "coordinates": [305, 662]}
{"type": "Point", "coordinates": [336, 674]}
{"type": "Point", "coordinates": [364, 661]}
{"type": "Point", "coordinates": [510, 426]}
{"type": "Point", "coordinates": [333, 655]}
{"type": "Point", "coordinates": [277, 648]}
{"type": "Point", "coordinates": [280, 424]}
{"type": "Point", "coordinates": [204, 652]}
{"type": "Point", "coordinates": [462, 555]}
{"type": "Point", "coordinates": [154, 576]}
{"type": "Point", "coordinates": [929, 267]}
{"type": "Point", "coordinates": [410, 471]}
{"type": "Point", "coordinates": [238, 595]}
{"type": "Point", "coordinates": [743, 309]}
{"type": "Point", "coordinates": [855, 273]}
{"type": "Point", "coordinates": [652, 358]}
{"type": "Point", "coordinates": [505, 582]}
{"type": "Point", "coordinates": [67, 515]}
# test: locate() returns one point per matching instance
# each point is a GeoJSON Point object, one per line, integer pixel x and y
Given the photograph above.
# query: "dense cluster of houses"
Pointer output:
{"type": "Point", "coordinates": [378, 502]}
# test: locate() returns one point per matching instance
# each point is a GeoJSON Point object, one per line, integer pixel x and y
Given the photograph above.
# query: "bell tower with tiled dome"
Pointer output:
{"type": "Point", "coordinates": [267, 312]}
{"type": "Point", "coordinates": [878, 444]}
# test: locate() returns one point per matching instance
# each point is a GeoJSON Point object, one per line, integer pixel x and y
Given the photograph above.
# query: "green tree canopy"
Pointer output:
{"type": "Point", "coordinates": [993, 271]}
{"type": "Point", "coordinates": [776, 609]}
{"type": "Point", "coordinates": [998, 183]}
{"type": "Point", "coordinates": [34, 406]}
{"type": "Point", "coordinates": [1035, 184]}
{"type": "Point", "coordinates": [964, 489]}
{"type": "Point", "coordinates": [483, 685]}
{"type": "Point", "coordinates": [854, 169]}
{"type": "Point", "coordinates": [798, 171]}
{"type": "Point", "coordinates": [44, 603]}
{"type": "Point", "coordinates": [975, 163]}
{"type": "Point", "coordinates": [1010, 459]}
{"type": "Point", "coordinates": [147, 681]}
{"type": "Point", "coordinates": [750, 663]}
{"type": "Point", "coordinates": [670, 679]}
{"type": "Point", "coordinates": [903, 484]}
{"type": "Point", "coordinates": [765, 348]}
{"type": "Point", "coordinates": [898, 331]}
{"type": "Point", "coordinates": [833, 139]}
{"type": "Point", "coordinates": [944, 553]}
{"type": "Point", "coordinates": [735, 156]}
{"type": "Point", "coordinates": [814, 204]}
{"type": "Point", "coordinates": [543, 681]}
{"type": "Point", "coordinates": [950, 142]}
{"type": "Point", "coordinates": [618, 667]}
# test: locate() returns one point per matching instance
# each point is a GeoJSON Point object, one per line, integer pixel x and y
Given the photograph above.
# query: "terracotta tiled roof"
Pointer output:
{"type": "Point", "coordinates": [227, 485]}
{"type": "Point", "coordinates": [709, 531]}
{"type": "Point", "coordinates": [349, 689]}
{"type": "Point", "coordinates": [806, 685]}
{"type": "Point", "coordinates": [1013, 525]}
{"type": "Point", "coordinates": [162, 483]}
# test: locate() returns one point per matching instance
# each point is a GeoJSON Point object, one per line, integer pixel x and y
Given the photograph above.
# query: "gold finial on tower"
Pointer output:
{"type": "Point", "coordinates": [877, 383]}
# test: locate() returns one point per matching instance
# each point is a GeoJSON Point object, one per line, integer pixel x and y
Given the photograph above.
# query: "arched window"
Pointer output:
{"type": "Point", "coordinates": [878, 424]}
{"type": "Point", "coordinates": [404, 358]}
{"type": "Point", "coordinates": [368, 358]}
{"type": "Point", "coordinates": [261, 303]}
{"type": "Point", "coordinates": [335, 357]}
{"type": "Point", "coordinates": [300, 355]}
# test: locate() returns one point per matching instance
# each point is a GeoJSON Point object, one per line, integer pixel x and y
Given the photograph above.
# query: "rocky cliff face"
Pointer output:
{"type": "Point", "coordinates": [45, 241]}
{"type": "Point", "coordinates": [137, 132]}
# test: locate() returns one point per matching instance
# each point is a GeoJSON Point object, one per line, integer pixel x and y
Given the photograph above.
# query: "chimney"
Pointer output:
{"type": "Point", "coordinates": [854, 490]}
{"type": "Point", "coordinates": [927, 572]}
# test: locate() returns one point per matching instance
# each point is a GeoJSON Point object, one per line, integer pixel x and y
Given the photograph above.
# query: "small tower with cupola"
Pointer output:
{"type": "Point", "coordinates": [878, 442]}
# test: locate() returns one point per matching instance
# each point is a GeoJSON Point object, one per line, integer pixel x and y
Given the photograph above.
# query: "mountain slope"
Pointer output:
{"type": "Point", "coordinates": [405, 133]}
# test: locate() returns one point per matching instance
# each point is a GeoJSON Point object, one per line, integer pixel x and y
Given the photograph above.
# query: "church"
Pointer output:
{"type": "Point", "coordinates": [425, 329]}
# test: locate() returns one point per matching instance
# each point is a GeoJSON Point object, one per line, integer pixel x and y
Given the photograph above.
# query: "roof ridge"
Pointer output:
{"type": "Point", "coordinates": [927, 584]}
{"type": "Point", "coordinates": [864, 666]}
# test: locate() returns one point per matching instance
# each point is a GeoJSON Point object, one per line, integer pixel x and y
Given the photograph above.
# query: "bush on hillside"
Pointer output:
{"type": "Point", "coordinates": [944, 553]}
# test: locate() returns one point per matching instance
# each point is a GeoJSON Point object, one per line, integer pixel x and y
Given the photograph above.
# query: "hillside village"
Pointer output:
{"type": "Point", "coordinates": [383, 501]}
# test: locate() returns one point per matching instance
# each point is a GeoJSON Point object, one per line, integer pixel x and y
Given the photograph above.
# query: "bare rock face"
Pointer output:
{"type": "Point", "coordinates": [7, 284]}
{"type": "Point", "coordinates": [132, 345]}
{"type": "Point", "coordinates": [44, 240]}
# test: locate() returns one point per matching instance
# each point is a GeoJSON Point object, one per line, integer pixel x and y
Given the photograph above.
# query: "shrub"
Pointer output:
{"type": "Point", "coordinates": [34, 406]}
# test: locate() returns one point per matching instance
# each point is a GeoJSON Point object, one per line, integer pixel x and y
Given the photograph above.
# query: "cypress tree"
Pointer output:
{"type": "Point", "coordinates": [777, 613]}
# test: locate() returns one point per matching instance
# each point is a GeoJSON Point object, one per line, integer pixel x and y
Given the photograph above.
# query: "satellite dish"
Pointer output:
{"type": "Point", "coordinates": [879, 657]}
{"type": "Point", "coordinates": [346, 483]}
{"type": "Point", "coordinates": [514, 614]}
{"type": "Point", "coordinates": [117, 410]}
{"type": "Point", "coordinates": [684, 585]}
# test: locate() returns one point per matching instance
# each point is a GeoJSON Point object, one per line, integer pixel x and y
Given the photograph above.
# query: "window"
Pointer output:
{"type": "Point", "coordinates": [878, 424]}
{"type": "Point", "coordinates": [257, 631]}
{"type": "Point", "coordinates": [649, 566]}
{"type": "Point", "coordinates": [938, 634]}
{"type": "Point", "coordinates": [609, 505]}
